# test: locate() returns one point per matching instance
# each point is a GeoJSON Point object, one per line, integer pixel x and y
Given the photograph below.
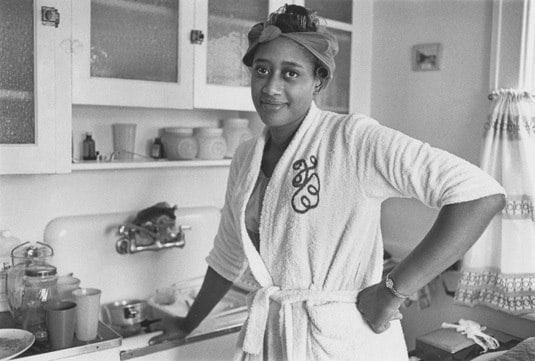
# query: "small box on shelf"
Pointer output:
{"type": "Point", "coordinates": [446, 344]}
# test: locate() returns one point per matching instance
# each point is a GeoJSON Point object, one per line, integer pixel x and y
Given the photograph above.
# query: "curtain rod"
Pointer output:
{"type": "Point", "coordinates": [493, 94]}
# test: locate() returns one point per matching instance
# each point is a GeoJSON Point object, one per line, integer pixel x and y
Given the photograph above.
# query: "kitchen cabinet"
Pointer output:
{"type": "Point", "coordinates": [176, 54]}
{"type": "Point", "coordinates": [222, 81]}
{"type": "Point", "coordinates": [133, 53]}
{"type": "Point", "coordinates": [220, 348]}
{"type": "Point", "coordinates": [35, 97]}
{"type": "Point", "coordinates": [339, 18]}
{"type": "Point", "coordinates": [184, 54]}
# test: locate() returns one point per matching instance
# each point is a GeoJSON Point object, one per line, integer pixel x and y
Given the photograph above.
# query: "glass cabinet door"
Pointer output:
{"type": "Point", "coordinates": [228, 24]}
{"type": "Point", "coordinates": [336, 96]}
{"type": "Point", "coordinates": [338, 10]}
{"type": "Point", "coordinates": [135, 40]}
{"type": "Point", "coordinates": [133, 52]}
{"type": "Point", "coordinates": [17, 113]}
{"type": "Point", "coordinates": [222, 81]}
{"type": "Point", "coordinates": [35, 113]}
{"type": "Point", "coordinates": [339, 17]}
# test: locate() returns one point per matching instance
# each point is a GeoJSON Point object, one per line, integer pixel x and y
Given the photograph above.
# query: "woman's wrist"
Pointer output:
{"type": "Point", "coordinates": [393, 300]}
{"type": "Point", "coordinates": [390, 284]}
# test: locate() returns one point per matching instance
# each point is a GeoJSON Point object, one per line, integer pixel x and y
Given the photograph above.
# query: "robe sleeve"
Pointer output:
{"type": "Point", "coordinates": [227, 257]}
{"type": "Point", "coordinates": [392, 164]}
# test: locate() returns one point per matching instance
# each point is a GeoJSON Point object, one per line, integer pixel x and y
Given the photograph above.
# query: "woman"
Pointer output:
{"type": "Point", "coordinates": [302, 212]}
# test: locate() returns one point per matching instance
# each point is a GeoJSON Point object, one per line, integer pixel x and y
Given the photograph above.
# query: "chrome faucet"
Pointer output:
{"type": "Point", "coordinates": [153, 229]}
{"type": "Point", "coordinates": [136, 239]}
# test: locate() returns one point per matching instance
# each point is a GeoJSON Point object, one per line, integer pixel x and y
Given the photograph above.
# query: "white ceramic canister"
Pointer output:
{"type": "Point", "coordinates": [179, 143]}
{"type": "Point", "coordinates": [235, 132]}
{"type": "Point", "coordinates": [211, 143]}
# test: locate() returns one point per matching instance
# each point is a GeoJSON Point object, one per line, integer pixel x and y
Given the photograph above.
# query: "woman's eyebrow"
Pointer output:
{"type": "Point", "coordinates": [284, 63]}
{"type": "Point", "coordinates": [261, 60]}
{"type": "Point", "coordinates": [291, 63]}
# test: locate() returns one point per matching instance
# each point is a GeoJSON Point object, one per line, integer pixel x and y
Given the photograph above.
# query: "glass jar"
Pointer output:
{"type": "Point", "coordinates": [7, 243]}
{"type": "Point", "coordinates": [22, 257]}
{"type": "Point", "coordinates": [179, 143]}
{"type": "Point", "coordinates": [212, 145]}
{"type": "Point", "coordinates": [235, 131]}
{"type": "Point", "coordinates": [40, 282]}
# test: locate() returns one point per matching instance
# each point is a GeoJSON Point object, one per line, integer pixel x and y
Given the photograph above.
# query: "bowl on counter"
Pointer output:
{"type": "Point", "coordinates": [129, 316]}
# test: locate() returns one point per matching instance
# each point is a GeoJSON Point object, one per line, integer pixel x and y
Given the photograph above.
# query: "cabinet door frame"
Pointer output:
{"type": "Point", "coordinates": [361, 53]}
{"type": "Point", "coordinates": [124, 92]}
{"type": "Point", "coordinates": [51, 152]}
{"type": "Point", "coordinates": [212, 96]}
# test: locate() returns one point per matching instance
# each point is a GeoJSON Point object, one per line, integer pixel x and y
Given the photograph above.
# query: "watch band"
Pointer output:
{"type": "Point", "coordinates": [389, 283]}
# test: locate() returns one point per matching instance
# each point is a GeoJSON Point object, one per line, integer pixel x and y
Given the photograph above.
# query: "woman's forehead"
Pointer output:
{"type": "Point", "coordinates": [283, 50]}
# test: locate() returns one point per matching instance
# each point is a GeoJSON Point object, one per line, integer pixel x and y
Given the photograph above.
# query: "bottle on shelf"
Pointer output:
{"type": "Point", "coordinates": [156, 150]}
{"type": "Point", "coordinates": [88, 148]}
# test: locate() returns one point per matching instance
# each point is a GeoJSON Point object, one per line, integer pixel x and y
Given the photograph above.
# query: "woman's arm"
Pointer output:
{"type": "Point", "coordinates": [213, 289]}
{"type": "Point", "coordinates": [457, 227]}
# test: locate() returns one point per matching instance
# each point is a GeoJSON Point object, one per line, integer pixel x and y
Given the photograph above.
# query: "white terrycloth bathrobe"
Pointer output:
{"type": "Point", "coordinates": [320, 233]}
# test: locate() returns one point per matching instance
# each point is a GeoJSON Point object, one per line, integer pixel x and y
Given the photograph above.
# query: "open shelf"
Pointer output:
{"type": "Point", "coordinates": [139, 164]}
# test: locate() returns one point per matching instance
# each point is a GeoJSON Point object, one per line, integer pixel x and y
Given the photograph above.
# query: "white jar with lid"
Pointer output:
{"type": "Point", "coordinates": [235, 132]}
{"type": "Point", "coordinates": [211, 143]}
{"type": "Point", "coordinates": [179, 143]}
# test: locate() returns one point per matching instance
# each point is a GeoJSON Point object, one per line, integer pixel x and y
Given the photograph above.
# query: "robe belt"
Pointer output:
{"type": "Point", "coordinates": [259, 300]}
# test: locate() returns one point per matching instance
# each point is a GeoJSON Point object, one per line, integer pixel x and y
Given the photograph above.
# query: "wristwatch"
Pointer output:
{"type": "Point", "coordinates": [389, 283]}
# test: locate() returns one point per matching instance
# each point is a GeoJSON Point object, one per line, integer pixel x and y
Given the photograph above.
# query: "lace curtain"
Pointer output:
{"type": "Point", "coordinates": [499, 270]}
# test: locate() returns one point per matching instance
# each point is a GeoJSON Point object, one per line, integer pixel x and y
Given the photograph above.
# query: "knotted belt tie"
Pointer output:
{"type": "Point", "coordinates": [259, 300]}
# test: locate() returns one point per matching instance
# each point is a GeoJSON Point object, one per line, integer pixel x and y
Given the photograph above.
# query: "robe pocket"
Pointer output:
{"type": "Point", "coordinates": [339, 332]}
{"type": "Point", "coordinates": [333, 330]}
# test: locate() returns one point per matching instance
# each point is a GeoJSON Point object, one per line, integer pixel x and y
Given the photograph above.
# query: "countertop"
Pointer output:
{"type": "Point", "coordinates": [106, 339]}
{"type": "Point", "coordinates": [133, 346]}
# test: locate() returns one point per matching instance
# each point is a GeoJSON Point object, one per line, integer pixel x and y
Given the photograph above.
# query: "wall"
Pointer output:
{"type": "Point", "coordinates": [446, 108]}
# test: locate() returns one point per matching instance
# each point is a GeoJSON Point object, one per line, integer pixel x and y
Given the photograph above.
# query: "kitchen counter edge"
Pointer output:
{"type": "Point", "coordinates": [150, 349]}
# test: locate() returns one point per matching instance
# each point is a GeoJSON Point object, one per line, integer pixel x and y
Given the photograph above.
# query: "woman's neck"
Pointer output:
{"type": "Point", "coordinates": [281, 136]}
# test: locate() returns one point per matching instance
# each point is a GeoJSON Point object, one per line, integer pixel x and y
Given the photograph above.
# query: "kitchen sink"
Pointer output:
{"type": "Point", "coordinates": [226, 318]}
{"type": "Point", "coordinates": [178, 298]}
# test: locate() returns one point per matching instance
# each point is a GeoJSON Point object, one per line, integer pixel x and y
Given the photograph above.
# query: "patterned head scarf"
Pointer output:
{"type": "Point", "coordinates": [322, 44]}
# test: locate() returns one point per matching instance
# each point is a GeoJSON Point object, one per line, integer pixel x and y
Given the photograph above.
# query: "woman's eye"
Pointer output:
{"type": "Point", "coordinates": [292, 74]}
{"type": "Point", "coordinates": [262, 70]}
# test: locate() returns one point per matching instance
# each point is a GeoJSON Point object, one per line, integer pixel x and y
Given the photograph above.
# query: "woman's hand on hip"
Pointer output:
{"type": "Point", "coordinates": [378, 307]}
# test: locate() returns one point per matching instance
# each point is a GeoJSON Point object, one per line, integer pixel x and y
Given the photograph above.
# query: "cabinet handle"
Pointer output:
{"type": "Point", "coordinates": [197, 37]}
{"type": "Point", "coordinates": [49, 16]}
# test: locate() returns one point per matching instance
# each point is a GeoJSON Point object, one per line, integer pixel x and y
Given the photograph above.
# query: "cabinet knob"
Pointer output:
{"type": "Point", "coordinates": [49, 16]}
{"type": "Point", "coordinates": [197, 37]}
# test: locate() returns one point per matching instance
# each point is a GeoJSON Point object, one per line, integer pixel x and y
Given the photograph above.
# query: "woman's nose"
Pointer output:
{"type": "Point", "coordinates": [272, 86]}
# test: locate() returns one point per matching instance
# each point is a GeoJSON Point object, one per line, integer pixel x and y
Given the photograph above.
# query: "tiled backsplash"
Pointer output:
{"type": "Point", "coordinates": [85, 246]}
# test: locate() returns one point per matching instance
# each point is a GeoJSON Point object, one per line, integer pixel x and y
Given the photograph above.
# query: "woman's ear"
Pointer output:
{"type": "Point", "coordinates": [320, 79]}
{"type": "Point", "coordinates": [318, 84]}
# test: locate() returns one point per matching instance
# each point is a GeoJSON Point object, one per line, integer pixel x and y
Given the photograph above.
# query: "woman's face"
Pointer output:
{"type": "Point", "coordinates": [282, 82]}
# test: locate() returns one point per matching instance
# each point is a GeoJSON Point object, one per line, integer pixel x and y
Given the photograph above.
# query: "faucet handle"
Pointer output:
{"type": "Point", "coordinates": [122, 245]}
{"type": "Point", "coordinates": [182, 228]}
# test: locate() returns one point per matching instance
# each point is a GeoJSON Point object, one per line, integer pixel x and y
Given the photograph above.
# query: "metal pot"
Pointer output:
{"type": "Point", "coordinates": [127, 312]}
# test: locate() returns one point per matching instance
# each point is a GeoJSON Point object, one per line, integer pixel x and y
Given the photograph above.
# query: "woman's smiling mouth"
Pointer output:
{"type": "Point", "coordinates": [272, 105]}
